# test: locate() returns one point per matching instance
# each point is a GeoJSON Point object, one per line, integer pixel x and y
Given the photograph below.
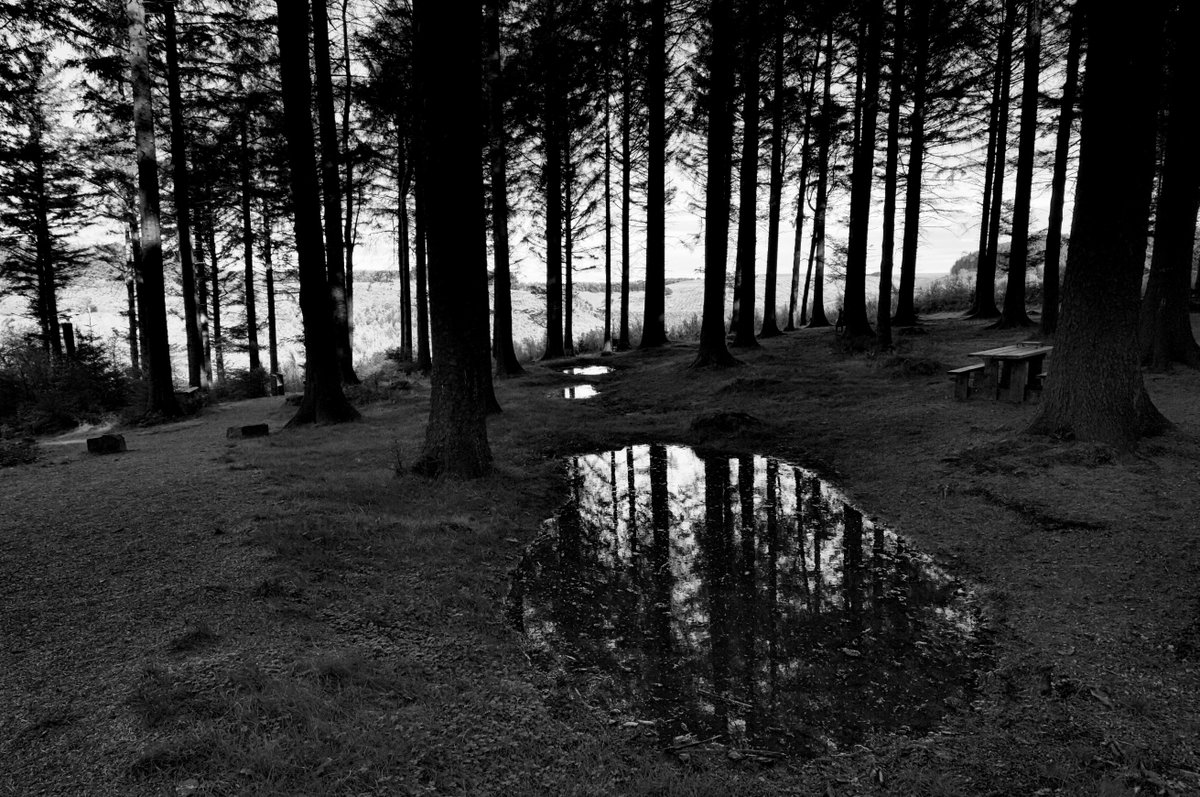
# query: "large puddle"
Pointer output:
{"type": "Point", "coordinates": [588, 370]}
{"type": "Point", "coordinates": [580, 392]}
{"type": "Point", "coordinates": [741, 601]}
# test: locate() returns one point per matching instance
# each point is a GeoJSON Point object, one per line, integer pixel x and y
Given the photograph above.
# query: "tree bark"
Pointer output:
{"type": "Point", "coordinates": [568, 244]}
{"type": "Point", "coordinates": [890, 171]}
{"type": "Point", "coordinates": [323, 400]}
{"type": "Point", "coordinates": [654, 329]}
{"type": "Point", "coordinates": [161, 395]}
{"type": "Point", "coordinates": [268, 257]}
{"type": "Point", "coordinates": [747, 233]}
{"type": "Point", "coordinates": [331, 192]}
{"type": "Point", "coordinates": [984, 305]}
{"type": "Point", "coordinates": [856, 320]}
{"type": "Point", "coordinates": [552, 119]}
{"type": "Point", "coordinates": [770, 324]}
{"type": "Point", "coordinates": [985, 216]}
{"type": "Point", "coordinates": [183, 205]}
{"type": "Point", "coordinates": [1013, 314]}
{"type": "Point", "coordinates": [448, 60]}
{"type": "Point", "coordinates": [502, 342]}
{"type": "Point", "coordinates": [623, 342]}
{"type": "Point", "coordinates": [719, 146]}
{"type": "Point", "coordinates": [424, 358]}
{"type": "Point", "coordinates": [1058, 182]}
{"type": "Point", "coordinates": [202, 302]}
{"type": "Point", "coordinates": [1095, 390]}
{"type": "Point", "coordinates": [248, 249]}
{"type": "Point", "coordinates": [218, 340]}
{"type": "Point", "coordinates": [905, 312]}
{"type": "Point", "coordinates": [1166, 329]}
{"type": "Point", "coordinates": [818, 319]}
{"type": "Point", "coordinates": [802, 205]}
{"type": "Point", "coordinates": [403, 179]}
{"type": "Point", "coordinates": [606, 345]}
{"type": "Point", "coordinates": [350, 222]}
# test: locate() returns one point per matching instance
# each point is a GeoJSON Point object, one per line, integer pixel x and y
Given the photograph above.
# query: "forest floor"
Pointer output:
{"type": "Point", "coordinates": [298, 614]}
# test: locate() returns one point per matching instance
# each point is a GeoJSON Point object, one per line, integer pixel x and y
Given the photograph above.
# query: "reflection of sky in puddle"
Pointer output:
{"type": "Point", "coordinates": [742, 598]}
{"type": "Point", "coordinates": [589, 370]}
{"type": "Point", "coordinates": [579, 392]}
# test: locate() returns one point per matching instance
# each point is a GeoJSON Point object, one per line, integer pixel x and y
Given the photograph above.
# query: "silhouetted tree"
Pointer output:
{"type": "Point", "coordinates": [1166, 329]}
{"type": "Point", "coordinates": [1095, 390]}
{"type": "Point", "coordinates": [323, 401]}
{"type": "Point", "coordinates": [719, 150]}
{"type": "Point", "coordinates": [448, 46]}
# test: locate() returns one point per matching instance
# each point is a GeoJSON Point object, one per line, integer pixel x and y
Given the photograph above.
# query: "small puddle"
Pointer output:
{"type": "Point", "coordinates": [741, 601]}
{"type": "Point", "coordinates": [580, 392]}
{"type": "Point", "coordinates": [589, 370]}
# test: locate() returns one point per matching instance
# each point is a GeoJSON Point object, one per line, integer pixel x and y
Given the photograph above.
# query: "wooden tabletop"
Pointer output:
{"type": "Point", "coordinates": [1017, 352]}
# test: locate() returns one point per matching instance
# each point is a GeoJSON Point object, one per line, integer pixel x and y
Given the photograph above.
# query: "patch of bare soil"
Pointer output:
{"type": "Point", "coordinates": [130, 584]}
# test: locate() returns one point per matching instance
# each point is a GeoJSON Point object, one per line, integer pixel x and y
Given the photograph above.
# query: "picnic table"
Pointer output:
{"type": "Point", "coordinates": [1010, 370]}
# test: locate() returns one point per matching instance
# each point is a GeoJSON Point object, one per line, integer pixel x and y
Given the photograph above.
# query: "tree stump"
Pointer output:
{"type": "Point", "coordinates": [253, 430]}
{"type": "Point", "coordinates": [106, 444]}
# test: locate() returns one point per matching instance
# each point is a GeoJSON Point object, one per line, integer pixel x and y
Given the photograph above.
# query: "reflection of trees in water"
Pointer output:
{"type": "Point", "coordinates": [741, 598]}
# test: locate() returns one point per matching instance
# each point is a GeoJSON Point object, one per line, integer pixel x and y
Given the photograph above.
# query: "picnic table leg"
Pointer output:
{"type": "Point", "coordinates": [1018, 378]}
{"type": "Point", "coordinates": [991, 377]}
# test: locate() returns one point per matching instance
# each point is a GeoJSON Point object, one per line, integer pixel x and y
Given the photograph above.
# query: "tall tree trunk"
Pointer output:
{"type": "Point", "coordinates": [552, 119]}
{"type": "Point", "coordinates": [502, 343]}
{"type": "Point", "coordinates": [268, 262]}
{"type": "Point", "coordinates": [985, 216]}
{"type": "Point", "coordinates": [623, 342]}
{"type": "Point", "coordinates": [1013, 313]}
{"type": "Point", "coordinates": [183, 205]}
{"type": "Point", "coordinates": [906, 314]}
{"type": "Point", "coordinates": [1095, 390]}
{"type": "Point", "coordinates": [324, 401]}
{"type": "Point", "coordinates": [607, 343]}
{"type": "Point", "coordinates": [770, 324]}
{"type": "Point", "coordinates": [890, 171]}
{"type": "Point", "coordinates": [654, 324]}
{"type": "Point", "coordinates": [202, 302]}
{"type": "Point", "coordinates": [747, 233]}
{"type": "Point", "coordinates": [1166, 329]}
{"type": "Point", "coordinates": [139, 295]}
{"type": "Point", "coordinates": [161, 395]}
{"type": "Point", "coordinates": [349, 188]}
{"type": "Point", "coordinates": [131, 312]}
{"type": "Point", "coordinates": [448, 67]}
{"type": "Point", "coordinates": [424, 358]}
{"type": "Point", "coordinates": [1058, 183]}
{"type": "Point", "coordinates": [403, 179]}
{"type": "Point", "coordinates": [985, 275]}
{"type": "Point", "coordinates": [802, 205]}
{"type": "Point", "coordinates": [857, 322]}
{"type": "Point", "coordinates": [47, 300]}
{"type": "Point", "coordinates": [568, 245]}
{"type": "Point", "coordinates": [713, 349]}
{"type": "Point", "coordinates": [218, 340]}
{"type": "Point", "coordinates": [808, 275]}
{"type": "Point", "coordinates": [818, 318]}
{"type": "Point", "coordinates": [331, 193]}
{"type": "Point", "coordinates": [248, 249]}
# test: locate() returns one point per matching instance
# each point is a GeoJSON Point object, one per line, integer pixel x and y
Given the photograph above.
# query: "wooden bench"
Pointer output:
{"type": "Point", "coordinates": [962, 379]}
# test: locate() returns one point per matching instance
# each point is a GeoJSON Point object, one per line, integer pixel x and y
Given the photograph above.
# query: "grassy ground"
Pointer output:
{"type": "Point", "coordinates": [299, 615]}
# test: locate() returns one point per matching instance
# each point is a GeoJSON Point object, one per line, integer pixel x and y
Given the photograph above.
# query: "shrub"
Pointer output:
{"type": "Point", "coordinates": [40, 394]}
{"type": "Point", "coordinates": [242, 383]}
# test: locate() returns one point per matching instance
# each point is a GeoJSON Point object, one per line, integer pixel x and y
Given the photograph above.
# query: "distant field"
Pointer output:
{"type": "Point", "coordinates": [97, 308]}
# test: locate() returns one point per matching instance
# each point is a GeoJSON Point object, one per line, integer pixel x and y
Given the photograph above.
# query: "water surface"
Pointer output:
{"type": "Point", "coordinates": [580, 392]}
{"type": "Point", "coordinates": [743, 600]}
{"type": "Point", "coordinates": [588, 370]}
